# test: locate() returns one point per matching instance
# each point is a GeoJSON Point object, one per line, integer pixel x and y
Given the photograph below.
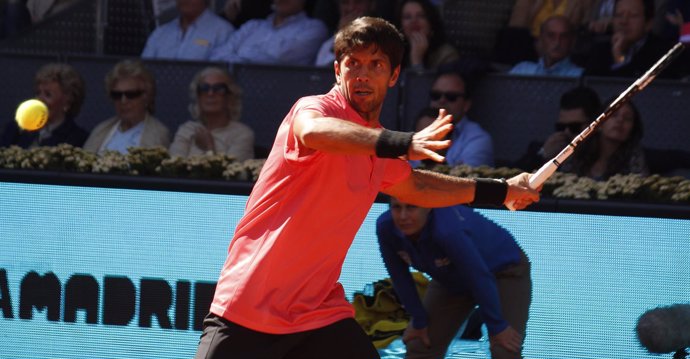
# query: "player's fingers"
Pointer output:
{"type": "Point", "coordinates": [434, 156]}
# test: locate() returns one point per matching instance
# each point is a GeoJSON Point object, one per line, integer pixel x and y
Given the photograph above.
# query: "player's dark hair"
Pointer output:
{"type": "Point", "coordinates": [370, 31]}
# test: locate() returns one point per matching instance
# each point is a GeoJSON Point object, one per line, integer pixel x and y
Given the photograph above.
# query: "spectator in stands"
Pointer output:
{"type": "Point", "coordinates": [61, 88]}
{"type": "Point", "coordinates": [286, 37]}
{"type": "Point", "coordinates": [216, 104]}
{"type": "Point", "coordinates": [531, 14]}
{"type": "Point", "coordinates": [194, 35]}
{"type": "Point", "coordinates": [601, 15]}
{"type": "Point", "coordinates": [516, 41]}
{"type": "Point", "coordinates": [614, 148]}
{"type": "Point", "coordinates": [240, 11]}
{"type": "Point", "coordinates": [633, 48]}
{"type": "Point", "coordinates": [14, 18]}
{"type": "Point", "coordinates": [132, 89]}
{"type": "Point", "coordinates": [421, 23]}
{"type": "Point", "coordinates": [43, 9]}
{"type": "Point", "coordinates": [471, 144]}
{"type": "Point", "coordinates": [578, 108]}
{"type": "Point", "coordinates": [348, 10]}
{"type": "Point", "coordinates": [554, 46]}
{"type": "Point", "coordinates": [471, 260]}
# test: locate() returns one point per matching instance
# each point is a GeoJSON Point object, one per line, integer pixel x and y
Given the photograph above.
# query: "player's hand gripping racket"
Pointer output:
{"type": "Point", "coordinates": [538, 178]}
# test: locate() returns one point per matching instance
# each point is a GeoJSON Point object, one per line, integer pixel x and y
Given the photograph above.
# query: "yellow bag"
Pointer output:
{"type": "Point", "coordinates": [382, 316]}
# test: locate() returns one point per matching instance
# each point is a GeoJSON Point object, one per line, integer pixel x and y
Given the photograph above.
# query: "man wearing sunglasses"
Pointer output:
{"type": "Point", "coordinates": [470, 143]}
{"type": "Point", "coordinates": [578, 107]}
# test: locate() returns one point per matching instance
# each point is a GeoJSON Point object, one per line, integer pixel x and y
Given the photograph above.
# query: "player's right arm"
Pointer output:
{"type": "Point", "coordinates": [335, 135]}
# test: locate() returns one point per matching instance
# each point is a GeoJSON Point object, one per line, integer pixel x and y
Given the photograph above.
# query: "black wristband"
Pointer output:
{"type": "Point", "coordinates": [393, 144]}
{"type": "Point", "coordinates": [489, 191]}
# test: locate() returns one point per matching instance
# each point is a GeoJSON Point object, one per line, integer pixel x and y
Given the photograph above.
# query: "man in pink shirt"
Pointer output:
{"type": "Point", "coordinates": [278, 294]}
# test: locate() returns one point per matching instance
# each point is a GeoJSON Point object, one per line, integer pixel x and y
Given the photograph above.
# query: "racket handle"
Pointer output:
{"type": "Point", "coordinates": [538, 178]}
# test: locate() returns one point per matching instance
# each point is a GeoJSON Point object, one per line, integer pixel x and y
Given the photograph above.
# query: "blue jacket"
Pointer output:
{"type": "Point", "coordinates": [459, 248]}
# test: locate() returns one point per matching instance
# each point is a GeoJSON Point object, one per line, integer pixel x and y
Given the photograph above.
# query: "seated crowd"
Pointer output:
{"type": "Point", "coordinates": [619, 36]}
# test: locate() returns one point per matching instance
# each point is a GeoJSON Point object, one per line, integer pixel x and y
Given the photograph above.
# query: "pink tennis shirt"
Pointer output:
{"type": "Point", "coordinates": [284, 261]}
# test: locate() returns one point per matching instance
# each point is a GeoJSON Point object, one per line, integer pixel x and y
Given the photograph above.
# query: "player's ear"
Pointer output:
{"type": "Point", "coordinates": [336, 68]}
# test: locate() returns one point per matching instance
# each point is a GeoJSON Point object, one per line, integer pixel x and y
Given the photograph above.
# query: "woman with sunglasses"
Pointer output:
{"type": "Point", "coordinates": [215, 128]}
{"type": "Point", "coordinates": [132, 89]}
{"type": "Point", "coordinates": [61, 88]}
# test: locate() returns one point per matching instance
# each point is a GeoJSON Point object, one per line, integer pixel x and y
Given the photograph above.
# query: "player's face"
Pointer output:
{"type": "Point", "coordinates": [130, 99]}
{"type": "Point", "coordinates": [364, 77]}
{"type": "Point", "coordinates": [57, 101]}
{"type": "Point", "coordinates": [408, 218]}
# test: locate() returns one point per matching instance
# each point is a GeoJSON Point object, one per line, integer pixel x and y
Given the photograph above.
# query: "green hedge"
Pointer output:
{"type": "Point", "coordinates": [157, 162]}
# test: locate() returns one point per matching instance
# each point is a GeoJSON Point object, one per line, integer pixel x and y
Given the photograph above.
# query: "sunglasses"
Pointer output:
{"type": "Point", "coordinates": [450, 96]}
{"type": "Point", "coordinates": [130, 95]}
{"type": "Point", "coordinates": [572, 127]}
{"type": "Point", "coordinates": [219, 88]}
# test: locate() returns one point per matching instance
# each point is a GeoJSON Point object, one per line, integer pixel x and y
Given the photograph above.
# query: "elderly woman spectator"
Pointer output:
{"type": "Point", "coordinates": [215, 128]}
{"type": "Point", "coordinates": [421, 23]}
{"type": "Point", "coordinates": [132, 89]}
{"type": "Point", "coordinates": [61, 88]}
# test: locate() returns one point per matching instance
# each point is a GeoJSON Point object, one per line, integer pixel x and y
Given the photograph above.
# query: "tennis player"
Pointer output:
{"type": "Point", "coordinates": [278, 294]}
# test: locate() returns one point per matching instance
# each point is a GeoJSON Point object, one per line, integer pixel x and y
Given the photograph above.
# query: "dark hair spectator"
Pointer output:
{"type": "Point", "coordinates": [452, 89]}
{"type": "Point", "coordinates": [422, 25]}
{"type": "Point", "coordinates": [614, 148]}
{"type": "Point", "coordinates": [633, 47]}
{"type": "Point", "coordinates": [578, 108]}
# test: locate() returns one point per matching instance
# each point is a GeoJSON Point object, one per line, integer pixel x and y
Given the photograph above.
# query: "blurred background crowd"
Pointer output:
{"type": "Point", "coordinates": [454, 49]}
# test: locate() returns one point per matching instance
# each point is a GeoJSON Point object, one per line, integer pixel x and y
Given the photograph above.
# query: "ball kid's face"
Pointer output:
{"type": "Point", "coordinates": [364, 76]}
{"type": "Point", "coordinates": [51, 94]}
{"type": "Point", "coordinates": [409, 219]}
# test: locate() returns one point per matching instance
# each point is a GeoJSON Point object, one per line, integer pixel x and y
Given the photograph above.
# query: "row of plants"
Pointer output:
{"type": "Point", "coordinates": [158, 162]}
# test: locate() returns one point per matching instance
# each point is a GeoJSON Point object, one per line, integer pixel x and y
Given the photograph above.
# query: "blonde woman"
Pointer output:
{"type": "Point", "coordinates": [215, 128]}
{"type": "Point", "coordinates": [132, 89]}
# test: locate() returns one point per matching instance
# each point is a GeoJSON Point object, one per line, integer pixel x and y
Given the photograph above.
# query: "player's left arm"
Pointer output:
{"type": "Point", "coordinates": [334, 135]}
{"type": "Point", "coordinates": [432, 189]}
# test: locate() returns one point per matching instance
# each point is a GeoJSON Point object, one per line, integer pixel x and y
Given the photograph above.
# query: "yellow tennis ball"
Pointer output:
{"type": "Point", "coordinates": [31, 115]}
